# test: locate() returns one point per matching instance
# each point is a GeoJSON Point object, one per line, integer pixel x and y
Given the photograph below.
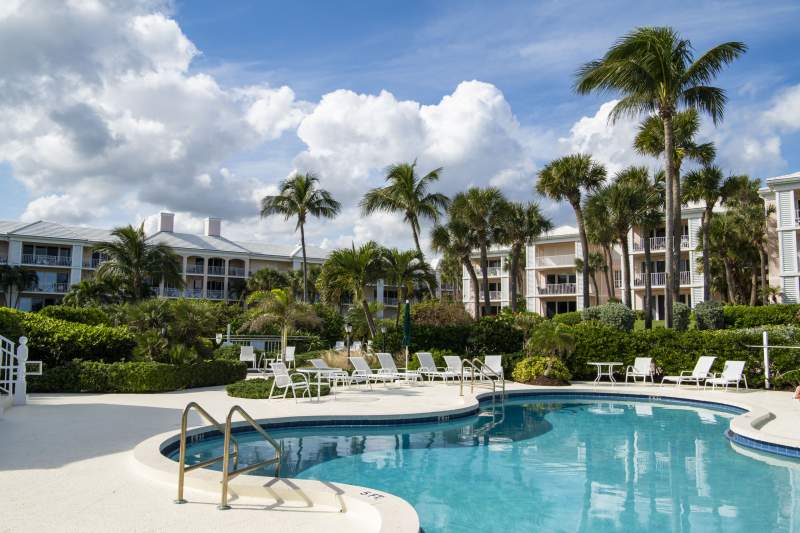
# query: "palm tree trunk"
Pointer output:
{"type": "Point", "coordinates": [648, 285]}
{"type": "Point", "coordinates": [626, 271]}
{"type": "Point", "coordinates": [515, 252]}
{"type": "Point", "coordinates": [753, 287]}
{"type": "Point", "coordinates": [475, 290]}
{"type": "Point", "coordinates": [305, 272]}
{"type": "Point", "coordinates": [596, 289]}
{"type": "Point", "coordinates": [677, 229]}
{"type": "Point", "coordinates": [762, 258]}
{"type": "Point", "coordinates": [584, 253]}
{"type": "Point", "coordinates": [419, 250]}
{"type": "Point", "coordinates": [609, 272]}
{"type": "Point", "coordinates": [669, 215]}
{"type": "Point", "coordinates": [706, 253]}
{"type": "Point", "coordinates": [485, 281]}
{"type": "Point", "coordinates": [729, 281]}
{"type": "Point", "coordinates": [368, 316]}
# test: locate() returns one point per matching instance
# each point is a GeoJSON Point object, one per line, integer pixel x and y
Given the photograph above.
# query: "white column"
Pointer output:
{"type": "Point", "coordinates": [14, 252]}
{"type": "Point", "coordinates": [225, 282]}
{"type": "Point", "coordinates": [505, 280]}
{"type": "Point", "coordinates": [77, 264]}
{"type": "Point", "coordinates": [380, 299]}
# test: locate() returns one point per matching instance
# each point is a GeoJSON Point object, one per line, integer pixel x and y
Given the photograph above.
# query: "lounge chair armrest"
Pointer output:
{"type": "Point", "coordinates": [686, 373]}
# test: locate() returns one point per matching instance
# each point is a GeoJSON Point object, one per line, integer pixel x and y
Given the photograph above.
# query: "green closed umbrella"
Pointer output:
{"type": "Point", "coordinates": [407, 329]}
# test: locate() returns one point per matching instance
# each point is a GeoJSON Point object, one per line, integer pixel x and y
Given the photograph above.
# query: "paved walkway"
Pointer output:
{"type": "Point", "coordinates": [66, 461]}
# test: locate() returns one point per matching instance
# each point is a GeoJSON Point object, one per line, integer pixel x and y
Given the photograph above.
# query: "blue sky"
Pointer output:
{"type": "Point", "coordinates": [307, 78]}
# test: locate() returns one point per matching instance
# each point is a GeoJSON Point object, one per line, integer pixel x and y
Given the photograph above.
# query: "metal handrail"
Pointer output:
{"type": "Point", "coordinates": [182, 468]}
{"type": "Point", "coordinates": [486, 369]}
{"type": "Point", "coordinates": [227, 475]}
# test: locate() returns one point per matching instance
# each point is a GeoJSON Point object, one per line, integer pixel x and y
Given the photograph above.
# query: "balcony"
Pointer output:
{"type": "Point", "coordinates": [46, 260]}
{"type": "Point", "coordinates": [548, 261]}
{"type": "Point", "coordinates": [657, 279]}
{"type": "Point", "coordinates": [215, 294]}
{"type": "Point", "coordinates": [493, 295]}
{"type": "Point", "coordinates": [659, 244]}
{"type": "Point", "coordinates": [193, 293]}
{"type": "Point", "coordinates": [194, 269]}
{"type": "Point", "coordinates": [552, 289]}
{"type": "Point", "coordinates": [216, 270]}
{"type": "Point", "coordinates": [172, 292]}
{"type": "Point", "coordinates": [60, 288]}
{"type": "Point", "coordinates": [237, 272]}
{"type": "Point", "coordinates": [491, 272]}
{"type": "Point", "coordinates": [93, 263]}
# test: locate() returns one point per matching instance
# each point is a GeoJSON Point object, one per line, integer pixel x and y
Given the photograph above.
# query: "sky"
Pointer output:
{"type": "Point", "coordinates": [114, 110]}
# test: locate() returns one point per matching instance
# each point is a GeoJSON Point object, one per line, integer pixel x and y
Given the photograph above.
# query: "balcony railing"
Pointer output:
{"type": "Point", "coordinates": [172, 292]}
{"type": "Point", "coordinates": [215, 294]}
{"type": "Point", "coordinates": [194, 269]}
{"type": "Point", "coordinates": [236, 271]}
{"type": "Point", "coordinates": [94, 263]}
{"type": "Point", "coordinates": [555, 260]}
{"type": "Point", "coordinates": [46, 260]}
{"type": "Point", "coordinates": [557, 288]}
{"type": "Point", "coordinates": [49, 287]}
{"type": "Point", "coordinates": [659, 244]}
{"type": "Point", "coordinates": [491, 272]}
{"type": "Point", "coordinates": [193, 293]}
{"type": "Point", "coordinates": [658, 279]}
{"type": "Point", "coordinates": [493, 295]}
{"type": "Point", "coordinates": [216, 270]}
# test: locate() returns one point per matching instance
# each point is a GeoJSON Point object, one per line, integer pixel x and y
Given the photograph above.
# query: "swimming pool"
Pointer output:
{"type": "Point", "coordinates": [550, 464]}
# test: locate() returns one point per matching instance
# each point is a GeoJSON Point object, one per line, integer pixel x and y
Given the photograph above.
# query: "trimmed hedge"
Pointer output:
{"type": "Point", "coordinates": [682, 315]}
{"type": "Point", "coordinates": [612, 314]}
{"type": "Point", "coordinates": [135, 377]}
{"type": "Point", "coordinates": [55, 342]}
{"type": "Point", "coordinates": [92, 316]}
{"type": "Point", "coordinates": [745, 316]}
{"type": "Point", "coordinates": [709, 315]}
{"type": "Point", "coordinates": [571, 318]}
{"type": "Point", "coordinates": [259, 388]}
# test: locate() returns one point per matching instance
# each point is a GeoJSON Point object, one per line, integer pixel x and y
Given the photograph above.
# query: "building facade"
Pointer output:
{"type": "Point", "coordinates": [782, 194]}
{"type": "Point", "coordinates": [498, 276]}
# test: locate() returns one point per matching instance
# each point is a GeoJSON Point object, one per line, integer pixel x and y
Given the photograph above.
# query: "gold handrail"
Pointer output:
{"type": "Point", "coordinates": [227, 475]}
{"type": "Point", "coordinates": [182, 468]}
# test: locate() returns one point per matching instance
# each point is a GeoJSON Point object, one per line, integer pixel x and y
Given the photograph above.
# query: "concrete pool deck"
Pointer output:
{"type": "Point", "coordinates": [68, 462]}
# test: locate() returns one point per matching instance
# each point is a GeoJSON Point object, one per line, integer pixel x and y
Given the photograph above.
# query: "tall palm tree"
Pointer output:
{"type": "Point", "coordinates": [595, 215]}
{"type": "Point", "coordinates": [568, 178]}
{"type": "Point", "coordinates": [351, 271]}
{"type": "Point", "coordinates": [655, 72]}
{"type": "Point", "coordinates": [279, 307]}
{"type": "Point", "coordinates": [520, 225]}
{"type": "Point", "coordinates": [137, 264]}
{"type": "Point", "coordinates": [649, 217]}
{"type": "Point", "coordinates": [706, 185]}
{"type": "Point", "coordinates": [481, 210]}
{"type": "Point", "coordinates": [13, 280]}
{"type": "Point", "coordinates": [408, 194]}
{"type": "Point", "coordinates": [457, 239]}
{"type": "Point", "coordinates": [407, 270]}
{"type": "Point", "coordinates": [299, 197]}
{"type": "Point", "coordinates": [597, 263]}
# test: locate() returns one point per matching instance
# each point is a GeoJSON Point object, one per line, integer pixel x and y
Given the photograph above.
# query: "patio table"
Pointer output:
{"type": "Point", "coordinates": [609, 373]}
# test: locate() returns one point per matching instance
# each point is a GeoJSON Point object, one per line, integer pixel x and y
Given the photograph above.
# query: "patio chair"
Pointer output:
{"type": "Point", "coordinates": [495, 364]}
{"type": "Point", "coordinates": [454, 364]}
{"type": "Point", "coordinates": [356, 346]}
{"type": "Point", "coordinates": [732, 373]}
{"type": "Point", "coordinates": [428, 368]}
{"type": "Point", "coordinates": [334, 376]}
{"type": "Point", "coordinates": [389, 368]}
{"type": "Point", "coordinates": [339, 346]}
{"type": "Point", "coordinates": [288, 357]}
{"type": "Point", "coordinates": [284, 380]}
{"type": "Point", "coordinates": [701, 372]}
{"type": "Point", "coordinates": [642, 367]}
{"type": "Point", "coordinates": [247, 354]}
{"type": "Point", "coordinates": [364, 373]}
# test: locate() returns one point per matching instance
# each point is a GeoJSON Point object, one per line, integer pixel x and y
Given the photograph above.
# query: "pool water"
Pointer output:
{"type": "Point", "coordinates": [550, 465]}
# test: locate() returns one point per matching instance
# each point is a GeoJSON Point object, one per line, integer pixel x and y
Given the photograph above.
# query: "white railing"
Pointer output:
{"type": "Point", "coordinates": [172, 292]}
{"type": "Point", "coordinates": [14, 369]}
{"type": "Point", "coordinates": [7, 366]}
{"type": "Point", "coordinates": [658, 279]}
{"type": "Point", "coordinates": [46, 260]}
{"type": "Point", "coordinates": [216, 270]}
{"type": "Point", "coordinates": [557, 288]}
{"type": "Point", "coordinates": [193, 293]}
{"type": "Point", "coordinates": [493, 295]}
{"type": "Point", "coordinates": [659, 243]}
{"type": "Point", "coordinates": [491, 272]}
{"type": "Point", "coordinates": [236, 271]}
{"type": "Point", "coordinates": [194, 269]}
{"type": "Point", "coordinates": [215, 295]}
{"type": "Point", "coordinates": [555, 260]}
{"type": "Point", "coordinates": [48, 287]}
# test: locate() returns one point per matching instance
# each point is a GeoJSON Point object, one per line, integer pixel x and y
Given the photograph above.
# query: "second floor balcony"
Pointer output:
{"type": "Point", "coordinates": [214, 270]}
{"type": "Point", "coordinates": [552, 289]}
{"type": "Point", "coordinates": [657, 279]}
{"type": "Point", "coordinates": [94, 262]}
{"type": "Point", "coordinates": [193, 293]}
{"type": "Point", "coordinates": [493, 295]}
{"type": "Point", "coordinates": [194, 269]}
{"type": "Point", "coordinates": [46, 260]}
{"type": "Point", "coordinates": [491, 272]}
{"type": "Point", "coordinates": [212, 294]}
{"type": "Point", "coordinates": [237, 272]}
{"type": "Point", "coordinates": [546, 261]}
{"type": "Point", "coordinates": [659, 244]}
{"type": "Point", "coordinates": [58, 288]}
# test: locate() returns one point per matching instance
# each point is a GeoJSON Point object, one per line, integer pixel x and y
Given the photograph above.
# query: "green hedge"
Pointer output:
{"type": "Point", "coordinates": [55, 342]}
{"type": "Point", "coordinates": [92, 316]}
{"type": "Point", "coordinates": [571, 318]}
{"type": "Point", "coordinates": [674, 351]}
{"type": "Point", "coordinates": [259, 388]}
{"type": "Point", "coordinates": [745, 316]}
{"type": "Point", "coordinates": [135, 377]}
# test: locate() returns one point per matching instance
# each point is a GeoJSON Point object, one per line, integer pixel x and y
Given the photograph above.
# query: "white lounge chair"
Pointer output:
{"type": "Point", "coordinates": [364, 373]}
{"type": "Point", "coordinates": [642, 367]}
{"type": "Point", "coordinates": [333, 375]}
{"type": "Point", "coordinates": [284, 380]}
{"type": "Point", "coordinates": [701, 372]}
{"type": "Point", "coordinates": [339, 346]}
{"type": "Point", "coordinates": [288, 357]}
{"type": "Point", "coordinates": [495, 364]}
{"type": "Point", "coordinates": [389, 368]}
{"type": "Point", "coordinates": [356, 346]}
{"type": "Point", "coordinates": [732, 373]}
{"type": "Point", "coordinates": [427, 367]}
{"type": "Point", "coordinates": [248, 355]}
{"type": "Point", "coordinates": [455, 365]}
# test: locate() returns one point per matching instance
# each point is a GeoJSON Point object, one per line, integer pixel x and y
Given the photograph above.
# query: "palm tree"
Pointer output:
{"type": "Point", "coordinates": [568, 178]}
{"type": "Point", "coordinates": [267, 279]}
{"type": "Point", "coordinates": [595, 215]}
{"type": "Point", "coordinates": [138, 265]}
{"type": "Point", "coordinates": [94, 292]}
{"type": "Point", "coordinates": [706, 185]}
{"type": "Point", "coordinates": [455, 239]}
{"type": "Point", "coordinates": [406, 193]}
{"type": "Point", "coordinates": [13, 280]}
{"type": "Point", "coordinates": [407, 270]}
{"type": "Point", "coordinates": [596, 264]}
{"type": "Point", "coordinates": [519, 226]}
{"type": "Point", "coordinates": [299, 197]}
{"type": "Point", "coordinates": [481, 210]}
{"type": "Point", "coordinates": [279, 307]}
{"type": "Point", "coordinates": [655, 72]}
{"type": "Point", "coordinates": [352, 270]}
{"type": "Point", "coordinates": [648, 218]}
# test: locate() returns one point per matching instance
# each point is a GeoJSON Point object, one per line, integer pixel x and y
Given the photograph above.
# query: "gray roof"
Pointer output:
{"type": "Point", "coordinates": [190, 241]}
{"type": "Point", "coordinates": [53, 230]}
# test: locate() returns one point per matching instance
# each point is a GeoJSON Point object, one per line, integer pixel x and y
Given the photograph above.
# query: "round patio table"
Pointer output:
{"type": "Point", "coordinates": [609, 372]}
{"type": "Point", "coordinates": [320, 372]}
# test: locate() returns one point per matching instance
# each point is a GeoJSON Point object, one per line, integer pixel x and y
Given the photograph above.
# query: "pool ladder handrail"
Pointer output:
{"type": "Point", "coordinates": [483, 370]}
{"type": "Point", "coordinates": [228, 475]}
{"type": "Point", "coordinates": [182, 468]}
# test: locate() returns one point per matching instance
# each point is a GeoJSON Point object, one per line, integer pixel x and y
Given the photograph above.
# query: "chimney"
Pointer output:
{"type": "Point", "coordinates": [213, 227]}
{"type": "Point", "coordinates": [166, 222]}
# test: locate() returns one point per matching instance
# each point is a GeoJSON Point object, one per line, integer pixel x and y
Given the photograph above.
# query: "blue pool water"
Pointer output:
{"type": "Point", "coordinates": [551, 465]}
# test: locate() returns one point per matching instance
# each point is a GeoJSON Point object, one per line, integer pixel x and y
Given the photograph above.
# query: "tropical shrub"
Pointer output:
{"type": "Point", "coordinates": [709, 315]}
{"type": "Point", "coordinates": [259, 388]}
{"type": "Point", "coordinates": [541, 371]}
{"type": "Point", "coordinates": [440, 313]}
{"type": "Point", "coordinates": [331, 327]}
{"type": "Point", "coordinates": [570, 319]}
{"type": "Point", "coordinates": [613, 314]}
{"type": "Point", "coordinates": [681, 313]}
{"type": "Point", "coordinates": [424, 338]}
{"type": "Point", "coordinates": [494, 335]}
{"type": "Point", "coordinates": [134, 377]}
{"type": "Point", "coordinates": [93, 316]}
{"type": "Point", "coordinates": [438, 358]}
{"type": "Point", "coordinates": [745, 316]}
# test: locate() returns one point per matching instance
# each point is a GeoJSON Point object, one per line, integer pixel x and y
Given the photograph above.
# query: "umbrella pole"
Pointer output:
{"type": "Point", "coordinates": [406, 358]}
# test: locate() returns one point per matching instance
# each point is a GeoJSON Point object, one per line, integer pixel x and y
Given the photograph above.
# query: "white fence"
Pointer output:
{"type": "Point", "coordinates": [14, 369]}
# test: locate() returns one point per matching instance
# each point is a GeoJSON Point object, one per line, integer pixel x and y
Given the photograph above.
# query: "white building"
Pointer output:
{"type": "Point", "coordinates": [498, 275]}
{"type": "Point", "coordinates": [783, 193]}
